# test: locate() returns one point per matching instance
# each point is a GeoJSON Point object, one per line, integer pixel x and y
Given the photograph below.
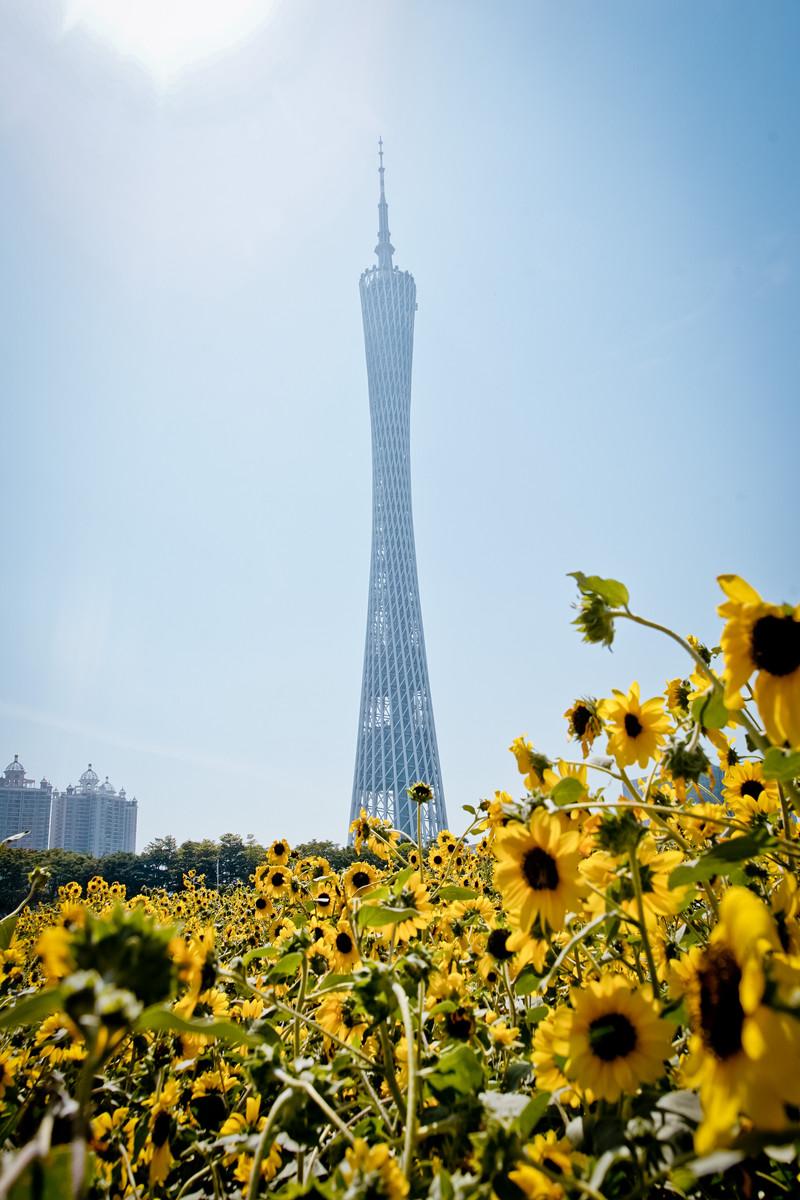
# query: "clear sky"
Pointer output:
{"type": "Point", "coordinates": [601, 207]}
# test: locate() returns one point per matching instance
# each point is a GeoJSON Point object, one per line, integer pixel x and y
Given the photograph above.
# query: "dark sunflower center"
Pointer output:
{"type": "Point", "coordinates": [360, 879]}
{"type": "Point", "coordinates": [612, 1036]}
{"type": "Point", "coordinates": [162, 1127]}
{"type": "Point", "coordinates": [721, 1012]}
{"type": "Point", "coordinates": [633, 726]}
{"type": "Point", "coordinates": [277, 879]}
{"type": "Point", "coordinates": [775, 644]}
{"type": "Point", "coordinates": [261, 903]}
{"type": "Point", "coordinates": [344, 943]}
{"type": "Point", "coordinates": [278, 849]}
{"type": "Point", "coordinates": [752, 788]}
{"type": "Point", "coordinates": [540, 870]}
{"type": "Point", "coordinates": [323, 899]}
{"type": "Point", "coordinates": [496, 944]}
{"type": "Point", "coordinates": [580, 719]}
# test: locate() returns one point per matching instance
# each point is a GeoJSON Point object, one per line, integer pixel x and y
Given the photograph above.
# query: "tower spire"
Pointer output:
{"type": "Point", "coordinates": [384, 248]}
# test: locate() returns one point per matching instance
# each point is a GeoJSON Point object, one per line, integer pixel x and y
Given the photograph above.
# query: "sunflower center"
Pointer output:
{"type": "Point", "coordinates": [752, 788]}
{"type": "Point", "coordinates": [277, 879]}
{"type": "Point", "coordinates": [540, 870]}
{"type": "Point", "coordinates": [721, 1012]}
{"type": "Point", "coordinates": [580, 719]}
{"type": "Point", "coordinates": [775, 644]}
{"type": "Point", "coordinates": [261, 903]}
{"type": "Point", "coordinates": [344, 943]}
{"type": "Point", "coordinates": [633, 726]}
{"type": "Point", "coordinates": [612, 1036]}
{"type": "Point", "coordinates": [496, 944]}
{"type": "Point", "coordinates": [162, 1127]}
{"type": "Point", "coordinates": [360, 879]}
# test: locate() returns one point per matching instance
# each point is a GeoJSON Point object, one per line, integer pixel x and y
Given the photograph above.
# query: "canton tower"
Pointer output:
{"type": "Point", "coordinates": [396, 733]}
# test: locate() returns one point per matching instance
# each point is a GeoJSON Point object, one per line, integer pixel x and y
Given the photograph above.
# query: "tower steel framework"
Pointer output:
{"type": "Point", "coordinates": [396, 731]}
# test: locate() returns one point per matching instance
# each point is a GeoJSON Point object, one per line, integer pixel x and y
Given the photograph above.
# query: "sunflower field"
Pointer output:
{"type": "Point", "coordinates": [593, 991]}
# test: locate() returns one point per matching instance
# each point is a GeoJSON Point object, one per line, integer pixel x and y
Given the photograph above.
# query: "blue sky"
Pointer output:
{"type": "Point", "coordinates": [600, 207]}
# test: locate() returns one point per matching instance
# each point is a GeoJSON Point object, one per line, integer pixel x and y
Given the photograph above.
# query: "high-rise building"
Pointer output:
{"type": "Point", "coordinates": [93, 818]}
{"type": "Point", "coordinates": [24, 806]}
{"type": "Point", "coordinates": [396, 733]}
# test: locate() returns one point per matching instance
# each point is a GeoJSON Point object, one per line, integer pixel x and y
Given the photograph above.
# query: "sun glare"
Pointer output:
{"type": "Point", "coordinates": [167, 36]}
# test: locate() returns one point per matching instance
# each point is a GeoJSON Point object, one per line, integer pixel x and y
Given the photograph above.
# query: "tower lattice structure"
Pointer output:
{"type": "Point", "coordinates": [396, 731]}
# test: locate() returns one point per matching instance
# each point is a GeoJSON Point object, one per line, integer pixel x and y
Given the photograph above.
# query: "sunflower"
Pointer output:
{"type": "Point", "coordinates": [606, 872]}
{"type": "Point", "coordinates": [276, 881]}
{"type": "Point", "coordinates": [743, 1055]}
{"type": "Point", "coordinates": [341, 949]}
{"type": "Point", "coordinates": [162, 1126]}
{"type": "Point", "coordinates": [637, 729]}
{"type": "Point", "coordinates": [337, 1015]}
{"type": "Point", "coordinates": [748, 792]}
{"type": "Point", "coordinates": [550, 1048]}
{"type": "Point", "coordinates": [358, 876]}
{"type": "Point", "coordinates": [537, 870]}
{"type": "Point", "coordinates": [677, 694]}
{"type": "Point", "coordinates": [373, 1171]}
{"type": "Point", "coordinates": [262, 908]}
{"type": "Point", "coordinates": [413, 899]}
{"type": "Point", "coordinates": [764, 638]}
{"type": "Point", "coordinates": [583, 723]}
{"type": "Point", "coordinates": [617, 1040]}
{"type": "Point", "coordinates": [279, 851]}
{"type": "Point", "coordinates": [554, 1153]}
{"type": "Point", "coordinates": [529, 764]}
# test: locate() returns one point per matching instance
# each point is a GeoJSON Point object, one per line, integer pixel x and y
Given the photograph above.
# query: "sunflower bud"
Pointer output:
{"type": "Point", "coordinates": [595, 621]}
{"type": "Point", "coordinates": [619, 833]}
{"type": "Point", "coordinates": [420, 792]}
{"type": "Point", "coordinates": [687, 762]}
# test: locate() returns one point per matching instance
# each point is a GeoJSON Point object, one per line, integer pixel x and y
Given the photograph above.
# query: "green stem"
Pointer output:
{"type": "Point", "coordinates": [648, 952]}
{"type": "Point", "coordinates": [388, 1065]}
{"type": "Point", "coordinates": [258, 1157]}
{"type": "Point", "coordinates": [303, 1085]}
{"type": "Point", "coordinates": [411, 1095]}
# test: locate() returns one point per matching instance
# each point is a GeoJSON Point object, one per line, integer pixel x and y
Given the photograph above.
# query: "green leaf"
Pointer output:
{"type": "Point", "coordinates": [709, 710]}
{"type": "Point", "coordinates": [532, 1114]}
{"type": "Point", "coordinates": [289, 964]}
{"type": "Point", "coordinates": [7, 927]}
{"type": "Point", "coordinates": [32, 1008]}
{"type": "Point", "coordinates": [377, 915]}
{"type": "Point", "coordinates": [568, 790]}
{"type": "Point", "coordinates": [165, 1020]}
{"type": "Point", "coordinates": [610, 590]}
{"type": "Point", "coordinates": [452, 892]}
{"type": "Point", "coordinates": [527, 981]}
{"type": "Point", "coordinates": [260, 952]}
{"type": "Point", "coordinates": [783, 765]}
{"type": "Point", "coordinates": [722, 859]}
{"type": "Point", "coordinates": [469, 808]}
{"type": "Point", "coordinates": [458, 1069]}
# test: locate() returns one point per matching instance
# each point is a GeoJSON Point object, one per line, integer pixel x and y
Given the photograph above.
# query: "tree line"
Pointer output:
{"type": "Point", "coordinates": [226, 862]}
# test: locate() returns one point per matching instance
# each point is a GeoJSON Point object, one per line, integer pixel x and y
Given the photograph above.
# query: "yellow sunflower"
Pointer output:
{"type": "Point", "coordinates": [617, 1041]}
{"type": "Point", "coordinates": [337, 1015]}
{"type": "Point", "coordinates": [748, 792]}
{"type": "Point", "coordinates": [357, 877]}
{"type": "Point", "coordinates": [373, 1171]}
{"type": "Point", "coordinates": [279, 851]}
{"type": "Point", "coordinates": [637, 729]}
{"type": "Point", "coordinates": [583, 723]}
{"type": "Point", "coordinates": [764, 638]}
{"type": "Point", "coordinates": [536, 871]}
{"type": "Point", "coordinates": [554, 1153]}
{"type": "Point", "coordinates": [743, 1054]}
{"type": "Point", "coordinates": [413, 899]}
{"type": "Point", "coordinates": [340, 948]}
